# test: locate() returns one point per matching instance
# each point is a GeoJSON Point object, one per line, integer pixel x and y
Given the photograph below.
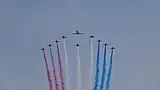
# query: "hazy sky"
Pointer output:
{"type": "Point", "coordinates": [132, 26]}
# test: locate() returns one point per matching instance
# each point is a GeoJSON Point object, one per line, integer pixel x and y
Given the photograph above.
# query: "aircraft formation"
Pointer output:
{"type": "Point", "coordinates": [67, 85]}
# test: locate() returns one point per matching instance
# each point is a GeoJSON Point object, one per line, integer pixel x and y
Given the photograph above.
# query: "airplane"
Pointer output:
{"type": "Point", "coordinates": [42, 49]}
{"type": "Point", "coordinates": [105, 44]}
{"type": "Point", "coordinates": [113, 48]}
{"type": "Point", "coordinates": [99, 41]}
{"type": "Point", "coordinates": [63, 37]}
{"type": "Point", "coordinates": [77, 32]}
{"type": "Point", "coordinates": [56, 41]}
{"type": "Point", "coordinates": [49, 45]}
{"type": "Point", "coordinates": [77, 45]}
{"type": "Point", "coordinates": [91, 36]}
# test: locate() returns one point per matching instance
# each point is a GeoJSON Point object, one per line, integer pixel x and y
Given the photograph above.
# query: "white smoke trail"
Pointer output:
{"type": "Point", "coordinates": [66, 67]}
{"type": "Point", "coordinates": [91, 64]}
{"type": "Point", "coordinates": [78, 70]}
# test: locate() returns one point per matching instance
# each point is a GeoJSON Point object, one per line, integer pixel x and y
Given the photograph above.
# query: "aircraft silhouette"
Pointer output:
{"type": "Point", "coordinates": [91, 36]}
{"type": "Point", "coordinates": [105, 44]}
{"type": "Point", "coordinates": [56, 41]}
{"type": "Point", "coordinates": [77, 45]}
{"type": "Point", "coordinates": [99, 41]}
{"type": "Point", "coordinates": [63, 37]}
{"type": "Point", "coordinates": [77, 32]}
{"type": "Point", "coordinates": [42, 49]}
{"type": "Point", "coordinates": [49, 45]}
{"type": "Point", "coordinates": [113, 48]}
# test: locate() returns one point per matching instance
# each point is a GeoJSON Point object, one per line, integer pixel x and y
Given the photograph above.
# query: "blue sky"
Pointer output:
{"type": "Point", "coordinates": [132, 26]}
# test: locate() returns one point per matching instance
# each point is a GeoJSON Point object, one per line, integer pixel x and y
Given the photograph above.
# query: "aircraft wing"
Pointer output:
{"type": "Point", "coordinates": [80, 33]}
{"type": "Point", "coordinates": [74, 33]}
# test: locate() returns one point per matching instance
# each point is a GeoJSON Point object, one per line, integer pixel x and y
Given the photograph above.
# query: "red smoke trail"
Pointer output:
{"type": "Point", "coordinates": [47, 70]}
{"type": "Point", "coordinates": [54, 71]}
{"type": "Point", "coordinates": [60, 66]}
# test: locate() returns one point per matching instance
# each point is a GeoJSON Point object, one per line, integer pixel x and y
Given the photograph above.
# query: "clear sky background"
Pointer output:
{"type": "Point", "coordinates": [132, 26]}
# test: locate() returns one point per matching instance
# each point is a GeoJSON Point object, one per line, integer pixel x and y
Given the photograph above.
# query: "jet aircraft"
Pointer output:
{"type": "Point", "coordinates": [105, 44]}
{"type": "Point", "coordinates": [49, 45]}
{"type": "Point", "coordinates": [77, 32]}
{"type": "Point", "coordinates": [42, 49]}
{"type": "Point", "coordinates": [63, 37]}
{"type": "Point", "coordinates": [77, 45]}
{"type": "Point", "coordinates": [91, 36]}
{"type": "Point", "coordinates": [56, 41]}
{"type": "Point", "coordinates": [99, 41]}
{"type": "Point", "coordinates": [113, 48]}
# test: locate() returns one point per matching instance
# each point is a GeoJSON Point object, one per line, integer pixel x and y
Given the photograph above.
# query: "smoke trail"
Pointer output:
{"type": "Point", "coordinates": [47, 70]}
{"type": "Point", "coordinates": [78, 69]}
{"type": "Point", "coordinates": [109, 72]}
{"type": "Point", "coordinates": [53, 67]}
{"type": "Point", "coordinates": [67, 68]}
{"type": "Point", "coordinates": [60, 66]}
{"type": "Point", "coordinates": [97, 68]}
{"type": "Point", "coordinates": [91, 63]}
{"type": "Point", "coordinates": [104, 69]}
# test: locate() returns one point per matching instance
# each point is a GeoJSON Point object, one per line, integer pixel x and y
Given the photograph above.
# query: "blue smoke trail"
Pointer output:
{"type": "Point", "coordinates": [97, 68]}
{"type": "Point", "coordinates": [109, 72]}
{"type": "Point", "coordinates": [104, 69]}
